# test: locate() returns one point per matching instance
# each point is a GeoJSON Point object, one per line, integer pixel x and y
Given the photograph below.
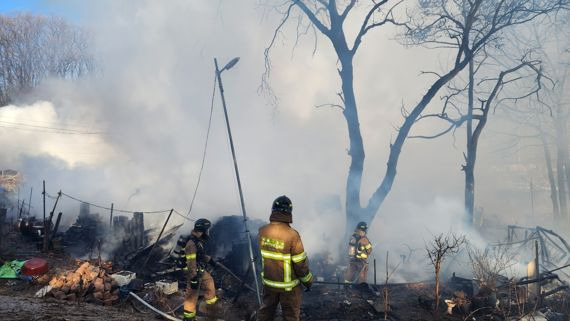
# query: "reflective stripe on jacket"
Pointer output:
{"type": "Point", "coordinates": [363, 248]}
{"type": "Point", "coordinates": [284, 261]}
{"type": "Point", "coordinates": [195, 257]}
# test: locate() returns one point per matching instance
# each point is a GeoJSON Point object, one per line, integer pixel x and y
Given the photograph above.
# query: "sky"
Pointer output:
{"type": "Point", "coordinates": [41, 6]}
{"type": "Point", "coordinates": [151, 101]}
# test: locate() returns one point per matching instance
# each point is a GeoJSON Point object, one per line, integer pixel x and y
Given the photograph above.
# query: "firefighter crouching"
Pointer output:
{"type": "Point", "coordinates": [285, 264]}
{"type": "Point", "coordinates": [359, 248]}
{"type": "Point", "coordinates": [197, 266]}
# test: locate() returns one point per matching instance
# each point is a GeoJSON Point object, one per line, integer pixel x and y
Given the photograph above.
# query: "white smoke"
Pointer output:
{"type": "Point", "coordinates": [150, 102]}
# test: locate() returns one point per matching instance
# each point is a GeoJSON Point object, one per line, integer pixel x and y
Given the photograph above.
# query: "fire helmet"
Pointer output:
{"type": "Point", "coordinates": [202, 225]}
{"type": "Point", "coordinates": [362, 226]}
{"type": "Point", "coordinates": [282, 204]}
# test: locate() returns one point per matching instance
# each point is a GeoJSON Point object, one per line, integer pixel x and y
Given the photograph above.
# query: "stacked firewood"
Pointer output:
{"type": "Point", "coordinates": [88, 283]}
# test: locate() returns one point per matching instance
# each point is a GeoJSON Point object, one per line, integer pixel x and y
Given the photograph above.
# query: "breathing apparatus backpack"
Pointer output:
{"type": "Point", "coordinates": [353, 245]}
{"type": "Point", "coordinates": [178, 254]}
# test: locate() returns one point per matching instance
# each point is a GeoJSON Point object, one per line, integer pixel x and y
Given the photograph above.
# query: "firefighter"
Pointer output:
{"type": "Point", "coordinates": [197, 266]}
{"type": "Point", "coordinates": [359, 248]}
{"type": "Point", "coordinates": [285, 264]}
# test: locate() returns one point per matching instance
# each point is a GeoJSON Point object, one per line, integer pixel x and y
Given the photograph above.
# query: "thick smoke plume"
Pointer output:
{"type": "Point", "coordinates": [140, 122]}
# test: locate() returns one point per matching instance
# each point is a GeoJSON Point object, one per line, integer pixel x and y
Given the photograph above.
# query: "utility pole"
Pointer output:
{"type": "Point", "coordinates": [531, 198]}
{"type": "Point", "coordinates": [247, 233]}
{"type": "Point", "coordinates": [46, 228]}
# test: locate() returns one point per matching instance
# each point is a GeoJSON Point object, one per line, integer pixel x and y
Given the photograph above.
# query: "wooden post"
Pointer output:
{"type": "Point", "coordinates": [21, 209]}
{"type": "Point", "coordinates": [56, 227]}
{"type": "Point", "coordinates": [374, 272]}
{"type": "Point", "coordinates": [158, 239]}
{"type": "Point", "coordinates": [48, 232]}
{"type": "Point", "coordinates": [3, 212]}
{"type": "Point", "coordinates": [111, 218]}
{"type": "Point", "coordinates": [138, 229]}
{"type": "Point", "coordinates": [30, 202]}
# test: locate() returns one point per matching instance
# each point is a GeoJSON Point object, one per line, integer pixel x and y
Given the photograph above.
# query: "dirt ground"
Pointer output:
{"type": "Point", "coordinates": [21, 308]}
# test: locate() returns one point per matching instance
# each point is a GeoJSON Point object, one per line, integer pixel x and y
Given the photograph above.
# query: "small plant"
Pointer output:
{"type": "Point", "coordinates": [442, 246]}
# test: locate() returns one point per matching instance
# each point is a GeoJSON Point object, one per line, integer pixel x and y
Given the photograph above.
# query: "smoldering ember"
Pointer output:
{"type": "Point", "coordinates": [285, 160]}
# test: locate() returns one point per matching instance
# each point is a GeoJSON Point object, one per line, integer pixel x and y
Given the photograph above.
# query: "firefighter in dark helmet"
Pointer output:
{"type": "Point", "coordinates": [359, 248]}
{"type": "Point", "coordinates": [285, 264]}
{"type": "Point", "coordinates": [197, 266]}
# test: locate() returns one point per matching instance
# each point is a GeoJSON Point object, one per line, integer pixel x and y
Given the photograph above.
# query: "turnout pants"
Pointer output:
{"type": "Point", "coordinates": [290, 304]}
{"type": "Point", "coordinates": [206, 288]}
{"type": "Point", "coordinates": [356, 268]}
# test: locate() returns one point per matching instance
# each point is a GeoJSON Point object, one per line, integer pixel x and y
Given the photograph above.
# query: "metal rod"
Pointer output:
{"type": "Point", "coordinates": [225, 268]}
{"type": "Point", "coordinates": [158, 239]}
{"type": "Point", "coordinates": [218, 74]}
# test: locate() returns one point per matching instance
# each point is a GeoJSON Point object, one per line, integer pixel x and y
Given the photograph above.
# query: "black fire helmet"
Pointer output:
{"type": "Point", "coordinates": [362, 226]}
{"type": "Point", "coordinates": [202, 225]}
{"type": "Point", "coordinates": [282, 204]}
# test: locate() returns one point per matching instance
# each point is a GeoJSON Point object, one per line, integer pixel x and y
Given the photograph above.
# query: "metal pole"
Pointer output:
{"type": "Point", "coordinates": [46, 232]}
{"type": "Point", "coordinates": [532, 197]}
{"type": "Point", "coordinates": [536, 262]}
{"type": "Point", "coordinates": [218, 74]}
{"type": "Point", "coordinates": [158, 239]}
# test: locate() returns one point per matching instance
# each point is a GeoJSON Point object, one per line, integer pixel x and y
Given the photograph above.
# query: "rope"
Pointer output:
{"type": "Point", "coordinates": [205, 146]}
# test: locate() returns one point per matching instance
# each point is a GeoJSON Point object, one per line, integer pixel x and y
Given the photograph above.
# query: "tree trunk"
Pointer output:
{"type": "Point", "coordinates": [561, 171]}
{"type": "Point", "coordinates": [356, 150]}
{"type": "Point", "coordinates": [470, 156]}
{"type": "Point", "coordinates": [552, 180]}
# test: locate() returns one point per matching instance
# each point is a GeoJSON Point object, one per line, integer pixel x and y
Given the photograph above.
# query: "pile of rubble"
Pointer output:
{"type": "Point", "coordinates": [88, 283]}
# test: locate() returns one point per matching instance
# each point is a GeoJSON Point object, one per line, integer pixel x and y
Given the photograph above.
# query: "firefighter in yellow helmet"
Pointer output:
{"type": "Point", "coordinates": [197, 266]}
{"type": "Point", "coordinates": [285, 264]}
{"type": "Point", "coordinates": [359, 248]}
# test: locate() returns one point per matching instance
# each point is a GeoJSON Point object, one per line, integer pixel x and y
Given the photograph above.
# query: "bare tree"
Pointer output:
{"type": "Point", "coordinates": [441, 247]}
{"type": "Point", "coordinates": [488, 264]}
{"type": "Point", "coordinates": [463, 26]}
{"type": "Point", "coordinates": [35, 47]}
{"type": "Point", "coordinates": [547, 114]}
{"type": "Point", "coordinates": [490, 91]}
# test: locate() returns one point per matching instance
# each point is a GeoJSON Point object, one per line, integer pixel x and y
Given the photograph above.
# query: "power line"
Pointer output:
{"type": "Point", "coordinates": [50, 131]}
{"type": "Point", "coordinates": [205, 147]}
{"type": "Point", "coordinates": [46, 127]}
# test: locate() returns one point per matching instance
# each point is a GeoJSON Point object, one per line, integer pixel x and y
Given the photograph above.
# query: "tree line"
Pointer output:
{"type": "Point", "coordinates": [35, 47]}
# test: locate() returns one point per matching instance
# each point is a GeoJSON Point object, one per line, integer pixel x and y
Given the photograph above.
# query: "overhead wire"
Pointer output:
{"type": "Point", "coordinates": [118, 210]}
{"type": "Point", "coordinates": [205, 146]}
{"type": "Point", "coordinates": [67, 130]}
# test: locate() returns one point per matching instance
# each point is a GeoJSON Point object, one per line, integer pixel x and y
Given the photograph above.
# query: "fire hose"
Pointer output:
{"type": "Point", "coordinates": [169, 317]}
